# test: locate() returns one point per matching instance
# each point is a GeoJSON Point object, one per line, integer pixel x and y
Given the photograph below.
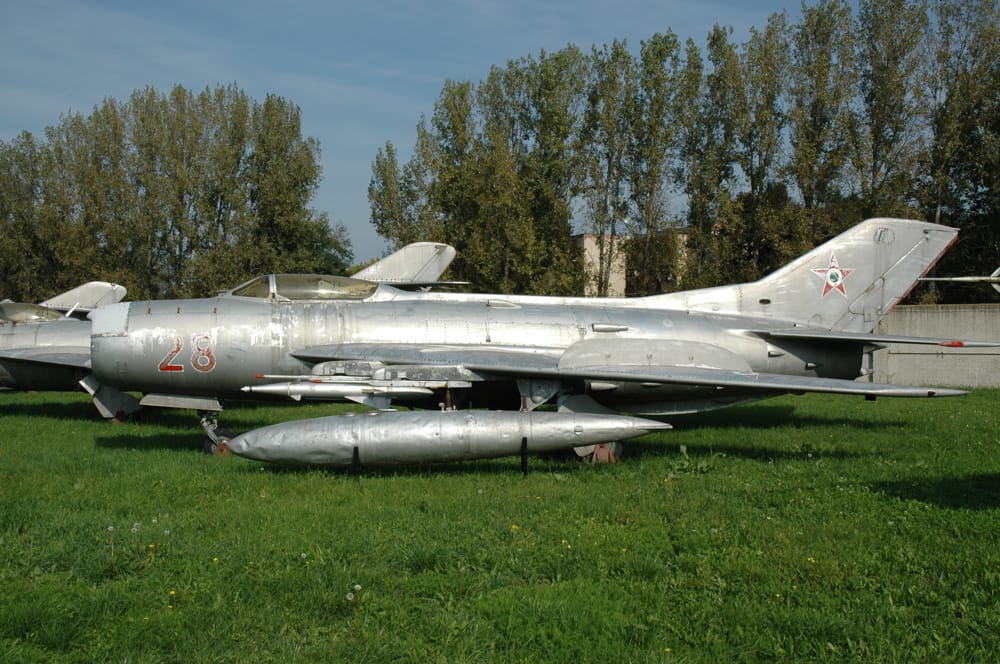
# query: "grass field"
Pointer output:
{"type": "Point", "coordinates": [800, 529]}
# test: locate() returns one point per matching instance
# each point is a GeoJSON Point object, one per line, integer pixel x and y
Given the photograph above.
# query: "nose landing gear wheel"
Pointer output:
{"type": "Point", "coordinates": [219, 446]}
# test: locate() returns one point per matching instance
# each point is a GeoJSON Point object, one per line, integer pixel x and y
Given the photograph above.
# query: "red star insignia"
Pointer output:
{"type": "Point", "coordinates": [833, 276]}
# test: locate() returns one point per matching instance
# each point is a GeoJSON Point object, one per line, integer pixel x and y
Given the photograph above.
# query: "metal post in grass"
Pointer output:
{"type": "Point", "coordinates": [524, 456]}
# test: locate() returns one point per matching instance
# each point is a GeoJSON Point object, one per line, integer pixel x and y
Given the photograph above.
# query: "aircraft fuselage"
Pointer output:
{"type": "Point", "coordinates": [218, 346]}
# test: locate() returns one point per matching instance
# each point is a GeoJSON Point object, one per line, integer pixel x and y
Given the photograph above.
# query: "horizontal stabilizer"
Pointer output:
{"type": "Point", "coordinates": [861, 337]}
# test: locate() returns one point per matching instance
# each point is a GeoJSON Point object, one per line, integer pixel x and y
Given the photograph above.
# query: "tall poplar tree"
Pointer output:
{"type": "Point", "coordinates": [169, 195]}
{"type": "Point", "coordinates": [822, 79]}
{"type": "Point", "coordinates": [887, 132]}
{"type": "Point", "coordinates": [653, 146]}
{"type": "Point", "coordinates": [604, 142]}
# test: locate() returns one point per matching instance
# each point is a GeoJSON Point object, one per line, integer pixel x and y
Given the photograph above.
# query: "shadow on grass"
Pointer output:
{"type": "Point", "coordinates": [972, 492]}
{"type": "Point", "coordinates": [501, 466]}
{"type": "Point", "coordinates": [193, 439]}
{"type": "Point", "coordinates": [70, 410]}
{"type": "Point", "coordinates": [769, 417]}
{"type": "Point", "coordinates": [639, 450]}
{"type": "Point", "coordinates": [74, 408]}
{"type": "Point", "coordinates": [732, 424]}
{"type": "Point", "coordinates": [185, 431]}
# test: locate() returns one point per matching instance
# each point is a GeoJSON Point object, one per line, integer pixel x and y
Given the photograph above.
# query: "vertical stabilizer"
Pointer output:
{"type": "Point", "coordinates": [90, 295]}
{"type": "Point", "coordinates": [416, 262]}
{"type": "Point", "coordinates": [846, 284]}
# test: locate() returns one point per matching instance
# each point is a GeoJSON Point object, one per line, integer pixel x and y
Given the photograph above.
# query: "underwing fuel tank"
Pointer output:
{"type": "Point", "coordinates": [432, 436]}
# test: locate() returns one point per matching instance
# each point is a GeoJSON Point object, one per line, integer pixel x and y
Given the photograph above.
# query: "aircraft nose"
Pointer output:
{"type": "Point", "coordinates": [110, 320]}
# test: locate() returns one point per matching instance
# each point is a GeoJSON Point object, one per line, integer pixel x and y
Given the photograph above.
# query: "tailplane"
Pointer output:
{"type": "Point", "coordinates": [845, 284]}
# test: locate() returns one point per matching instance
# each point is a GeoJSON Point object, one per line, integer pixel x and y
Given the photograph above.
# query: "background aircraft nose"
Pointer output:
{"type": "Point", "coordinates": [110, 320]}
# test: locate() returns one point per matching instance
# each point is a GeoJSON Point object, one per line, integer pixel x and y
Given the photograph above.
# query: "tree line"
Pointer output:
{"type": "Point", "coordinates": [170, 195]}
{"type": "Point", "coordinates": [719, 162]}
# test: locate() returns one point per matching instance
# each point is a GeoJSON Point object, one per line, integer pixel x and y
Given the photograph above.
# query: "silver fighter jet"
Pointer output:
{"type": "Point", "coordinates": [804, 328]}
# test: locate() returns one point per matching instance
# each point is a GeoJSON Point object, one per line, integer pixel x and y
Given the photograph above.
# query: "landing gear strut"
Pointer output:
{"type": "Point", "coordinates": [217, 440]}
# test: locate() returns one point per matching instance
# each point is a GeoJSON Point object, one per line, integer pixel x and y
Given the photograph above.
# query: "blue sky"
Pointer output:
{"type": "Point", "coordinates": [362, 73]}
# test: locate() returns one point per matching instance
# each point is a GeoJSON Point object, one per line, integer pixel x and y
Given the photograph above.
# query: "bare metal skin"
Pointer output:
{"type": "Point", "coordinates": [804, 328]}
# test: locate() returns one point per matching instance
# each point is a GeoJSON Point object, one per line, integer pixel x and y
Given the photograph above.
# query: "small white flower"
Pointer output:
{"type": "Point", "coordinates": [357, 588]}
{"type": "Point", "coordinates": [350, 597]}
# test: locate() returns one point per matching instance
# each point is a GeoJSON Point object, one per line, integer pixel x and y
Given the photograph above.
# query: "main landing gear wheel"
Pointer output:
{"type": "Point", "coordinates": [601, 452]}
{"type": "Point", "coordinates": [219, 446]}
{"type": "Point", "coordinates": [217, 440]}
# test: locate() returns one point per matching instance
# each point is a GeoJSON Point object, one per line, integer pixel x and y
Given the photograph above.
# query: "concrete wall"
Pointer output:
{"type": "Point", "coordinates": [937, 365]}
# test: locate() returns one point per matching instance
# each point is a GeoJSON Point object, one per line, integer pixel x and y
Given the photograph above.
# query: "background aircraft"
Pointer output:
{"type": "Point", "coordinates": [46, 347]}
{"type": "Point", "coordinates": [76, 302]}
{"type": "Point", "coordinates": [804, 328]}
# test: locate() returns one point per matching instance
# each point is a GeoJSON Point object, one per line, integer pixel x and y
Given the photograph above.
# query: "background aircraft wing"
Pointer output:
{"type": "Point", "coordinates": [64, 356]}
{"type": "Point", "coordinates": [543, 364]}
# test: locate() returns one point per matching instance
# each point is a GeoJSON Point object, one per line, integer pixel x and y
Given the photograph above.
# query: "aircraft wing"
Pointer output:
{"type": "Point", "coordinates": [543, 364]}
{"type": "Point", "coordinates": [63, 356]}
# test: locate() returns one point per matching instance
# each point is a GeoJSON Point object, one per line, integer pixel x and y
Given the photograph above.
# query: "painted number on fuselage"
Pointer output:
{"type": "Point", "coordinates": [202, 354]}
{"type": "Point", "coordinates": [167, 363]}
{"type": "Point", "coordinates": [203, 357]}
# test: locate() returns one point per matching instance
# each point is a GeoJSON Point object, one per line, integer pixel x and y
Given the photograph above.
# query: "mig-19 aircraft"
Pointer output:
{"type": "Point", "coordinates": [46, 347]}
{"type": "Point", "coordinates": [804, 328]}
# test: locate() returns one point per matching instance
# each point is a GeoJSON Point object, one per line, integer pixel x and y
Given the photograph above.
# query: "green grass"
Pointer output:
{"type": "Point", "coordinates": [799, 529]}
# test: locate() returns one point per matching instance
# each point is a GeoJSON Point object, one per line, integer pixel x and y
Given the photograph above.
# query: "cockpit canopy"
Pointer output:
{"type": "Point", "coordinates": [298, 287]}
{"type": "Point", "coordinates": [18, 312]}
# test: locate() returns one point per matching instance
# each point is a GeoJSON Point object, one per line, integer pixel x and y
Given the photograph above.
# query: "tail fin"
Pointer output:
{"type": "Point", "coordinates": [845, 284]}
{"type": "Point", "coordinates": [416, 262]}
